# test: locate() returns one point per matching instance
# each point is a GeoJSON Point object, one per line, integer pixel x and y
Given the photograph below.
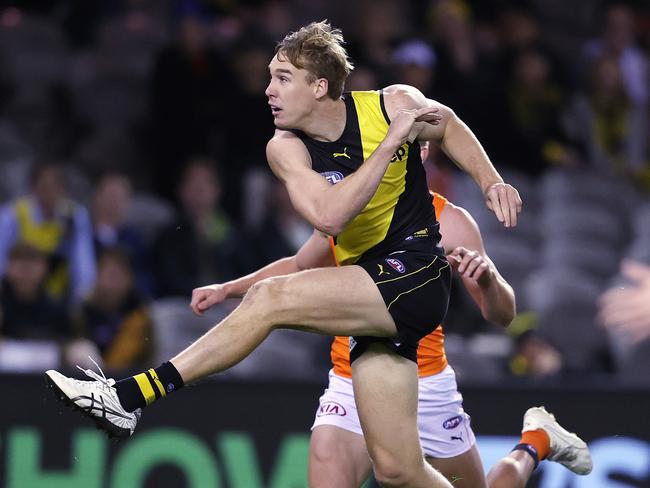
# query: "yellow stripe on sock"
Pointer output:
{"type": "Point", "coordinates": [157, 382]}
{"type": "Point", "coordinates": [145, 387]}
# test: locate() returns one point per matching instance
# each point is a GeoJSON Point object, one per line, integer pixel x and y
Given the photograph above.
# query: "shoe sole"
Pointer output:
{"type": "Point", "coordinates": [101, 423]}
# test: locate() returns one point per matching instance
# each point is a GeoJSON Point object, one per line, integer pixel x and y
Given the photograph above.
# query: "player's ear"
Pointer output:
{"type": "Point", "coordinates": [321, 86]}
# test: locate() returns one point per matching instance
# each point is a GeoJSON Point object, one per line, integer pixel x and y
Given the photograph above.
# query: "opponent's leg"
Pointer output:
{"type": "Point", "coordinates": [385, 389]}
{"type": "Point", "coordinates": [338, 458]}
{"type": "Point", "coordinates": [464, 470]}
{"type": "Point", "coordinates": [542, 438]}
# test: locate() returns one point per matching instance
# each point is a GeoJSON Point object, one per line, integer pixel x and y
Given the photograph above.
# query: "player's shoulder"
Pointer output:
{"type": "Point", "coordinates": [400, 96]}
{"type": "Point", "coordinates": [285, 144]}
{"type": "Point", "coordinates": [283, 140]}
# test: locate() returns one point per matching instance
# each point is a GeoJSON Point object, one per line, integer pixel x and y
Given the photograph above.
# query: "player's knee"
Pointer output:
{"type": "Point", "coordinates": [265, 292]}
{"type": "Point", "coordinates": [269, 295]}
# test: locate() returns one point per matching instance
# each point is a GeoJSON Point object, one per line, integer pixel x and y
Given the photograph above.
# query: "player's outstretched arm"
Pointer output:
{"type": "Point", "coordinates": [462, 147]}
{"type": "Point", "coordinates": [315, 252]}
{"type": "Point", "coordinates": [463, 244]}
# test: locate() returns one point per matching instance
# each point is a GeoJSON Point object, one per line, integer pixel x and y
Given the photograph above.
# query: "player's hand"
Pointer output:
{"type": "Point", "coordinates": [627, 308]}
{"type": "Point", "coordinates": [504, 200]}
{"type": "Point", "coordinates": [206, 296]}
{"type": "Point", "coordinates": [402, 126]}
{"type": "Point", "coordinates": [471, 265]}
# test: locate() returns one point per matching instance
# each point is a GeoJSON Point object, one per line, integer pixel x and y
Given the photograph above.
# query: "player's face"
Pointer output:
{"type": "Point", "coordinates": [291, 96]}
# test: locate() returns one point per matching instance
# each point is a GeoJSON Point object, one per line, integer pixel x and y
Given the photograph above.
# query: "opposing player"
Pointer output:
{"type": "Point", "coordinates": [338, 456]}
{"type": "Point", "coordinates": [380, 214]}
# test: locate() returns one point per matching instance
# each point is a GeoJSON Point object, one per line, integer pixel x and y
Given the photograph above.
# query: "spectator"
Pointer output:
{"type": "Point", "coordinates": [619, 42]}
{"type": "Point", "coordinates": [111, 203]}
{"type": "Point", "coordinates": [607, 123]}
{"type": "Point", "coordinates": [58, 227]}
{"type": "Point", "coordinates": [189, 86]}
{"type": "Point", "coordinates": [115, 317]}
{"type": "Point", "coordinates": [415, 62]}
{"type": "Point", "coordinates": [625, 313]}
{"type": "Point", "coordinates": [281, 231]}
{"type": "Point", "coordinates": [211, 248]}
{"type": "Point", "coordinates": [27, 311]}
{"type": "Point", "coordinates": [534, 104]}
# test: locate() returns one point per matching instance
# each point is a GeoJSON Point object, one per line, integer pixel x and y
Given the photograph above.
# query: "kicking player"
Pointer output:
{"type": "Point", "coordinates": [380, 214]}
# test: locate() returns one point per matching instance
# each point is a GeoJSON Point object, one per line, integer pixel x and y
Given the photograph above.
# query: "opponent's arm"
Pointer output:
{"type": "Point", "coordinates": [461, 145]}
{"type": "Point", "coordinates": [315, 252]}
{"type": "Point", "coordinates": [463, 244]}
{"type": "Point", "coordinates": [329, 208]}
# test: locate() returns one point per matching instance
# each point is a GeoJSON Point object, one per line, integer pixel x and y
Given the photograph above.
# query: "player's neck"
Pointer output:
{"type": "Point", "coordinates": [327, 120]}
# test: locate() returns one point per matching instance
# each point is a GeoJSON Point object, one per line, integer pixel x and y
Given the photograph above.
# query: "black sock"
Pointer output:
{"type": "Point", "coordinates": [145, 388]}
{"type": "Point", "coordinates": [530, 450]}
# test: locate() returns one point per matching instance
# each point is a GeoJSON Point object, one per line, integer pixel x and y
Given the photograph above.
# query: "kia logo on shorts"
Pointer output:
{"type": "Point", "coordinates": [396, 264]}
{"type": "Point", "coordinates": [453, 422]}
{"type": "Point", "coordinates": [331, 408]}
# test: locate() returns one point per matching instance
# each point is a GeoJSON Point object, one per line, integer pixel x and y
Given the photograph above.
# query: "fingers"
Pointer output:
{"type": "Point", "coordinates": [635, 271]}
{"type": "Point", "coordinates": [428, 114]}
{"type": "Point", "coordinates": [468, 263]}
{"type": "Point", "coordinates": [202, 299]}
{"type": "Point", "coordinates": [504, 200]}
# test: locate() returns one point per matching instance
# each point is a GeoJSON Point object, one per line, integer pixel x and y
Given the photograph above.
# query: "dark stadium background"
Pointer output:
{"type": "Point", "coordinates": [152, 117]}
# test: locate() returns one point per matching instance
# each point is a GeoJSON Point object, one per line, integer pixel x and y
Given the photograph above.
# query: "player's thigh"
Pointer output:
{"type": "Point", "coordinates": [385, 390]}
{"type": "Point", "coordinates": [463, 471]}
{"type": "Point", "coordinates": [333, 301]}
{"type": "Point", "coordinates": [337, 458]}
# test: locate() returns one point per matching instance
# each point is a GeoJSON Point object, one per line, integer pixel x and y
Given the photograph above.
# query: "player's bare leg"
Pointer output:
{"type": "Point", "coordinates": [512, 471]}
{"type": "Point", "coordinates": [465, 470]}
{"type": "Point", "coordinates": [386, 394]}
{"type": "Point", "coordinates": [334, 301]}
{"type": "Point", "coordinates": [338, 458]}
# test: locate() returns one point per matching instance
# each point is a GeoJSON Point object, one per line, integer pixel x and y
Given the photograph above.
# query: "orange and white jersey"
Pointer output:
{"type": "Point", "coordinates": [431, 350]}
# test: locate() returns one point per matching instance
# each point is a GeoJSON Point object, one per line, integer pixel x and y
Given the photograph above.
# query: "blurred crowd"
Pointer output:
{"type": "Point", "coordinates": [132, 169]}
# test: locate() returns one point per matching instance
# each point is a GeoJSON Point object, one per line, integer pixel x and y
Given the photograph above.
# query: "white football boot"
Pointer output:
{"type": "Point", "coordinates": [566, 448]}
{"type": "Point", "coordinates": [96, 399]}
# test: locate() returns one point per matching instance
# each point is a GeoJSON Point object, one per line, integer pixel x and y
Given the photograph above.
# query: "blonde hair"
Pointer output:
{"type": "Point", "coordinates": [318, 49]}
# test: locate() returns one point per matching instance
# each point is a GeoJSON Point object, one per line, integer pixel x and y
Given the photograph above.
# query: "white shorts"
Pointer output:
{"type": "Point", "coordinates": [444, 427]}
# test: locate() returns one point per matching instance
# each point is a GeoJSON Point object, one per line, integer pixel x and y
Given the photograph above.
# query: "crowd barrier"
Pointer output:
{"type": "Point", "coordinates": [225, 434]}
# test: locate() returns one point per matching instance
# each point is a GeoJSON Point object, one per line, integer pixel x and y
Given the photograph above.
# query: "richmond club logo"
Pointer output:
{"type": "Point", "coordinates": [331, 408]}
{"type": "Point", "coordinates": [396, 264]}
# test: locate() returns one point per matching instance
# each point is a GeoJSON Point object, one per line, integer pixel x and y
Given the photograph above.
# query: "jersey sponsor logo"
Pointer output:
{"type": "Point", "coordinates": [381, 270]}
{"type": "Point", "coordinates": [331, 408]}
{"type": "Point", "coordinates": [333, 176]}
{"type": "Point", "coordinates": [401, 153]}
{"type": "Point", "coordinates": [344, 154]}
{"type": "Point", "coordinates": [396, 264]}
{"type": "Point", "coordinates": [452, 423]}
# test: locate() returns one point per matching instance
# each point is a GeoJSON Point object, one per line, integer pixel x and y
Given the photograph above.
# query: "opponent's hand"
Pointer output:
{"type": "Point", "coordinates": [402, 126]}
{"type": "Point", "coordinates": [627, 308]}
{"type": "Point", "coordinates": [504, 200]}
{"type": "Point", "coordinates": [471, 265]}
{"type": "Point", "coordinates": [206, 296]}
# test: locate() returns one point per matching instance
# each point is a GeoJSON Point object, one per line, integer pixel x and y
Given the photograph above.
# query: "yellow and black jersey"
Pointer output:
{"type": "Point", "coordinates": [401, 207]}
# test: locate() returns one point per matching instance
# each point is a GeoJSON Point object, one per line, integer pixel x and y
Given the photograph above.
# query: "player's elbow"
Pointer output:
{"type": "Point", "coordinates": [330, 224]}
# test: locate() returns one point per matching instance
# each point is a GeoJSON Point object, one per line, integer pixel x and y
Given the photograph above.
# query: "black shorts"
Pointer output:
{"type": "Point", "coordinates": [414, 283]}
